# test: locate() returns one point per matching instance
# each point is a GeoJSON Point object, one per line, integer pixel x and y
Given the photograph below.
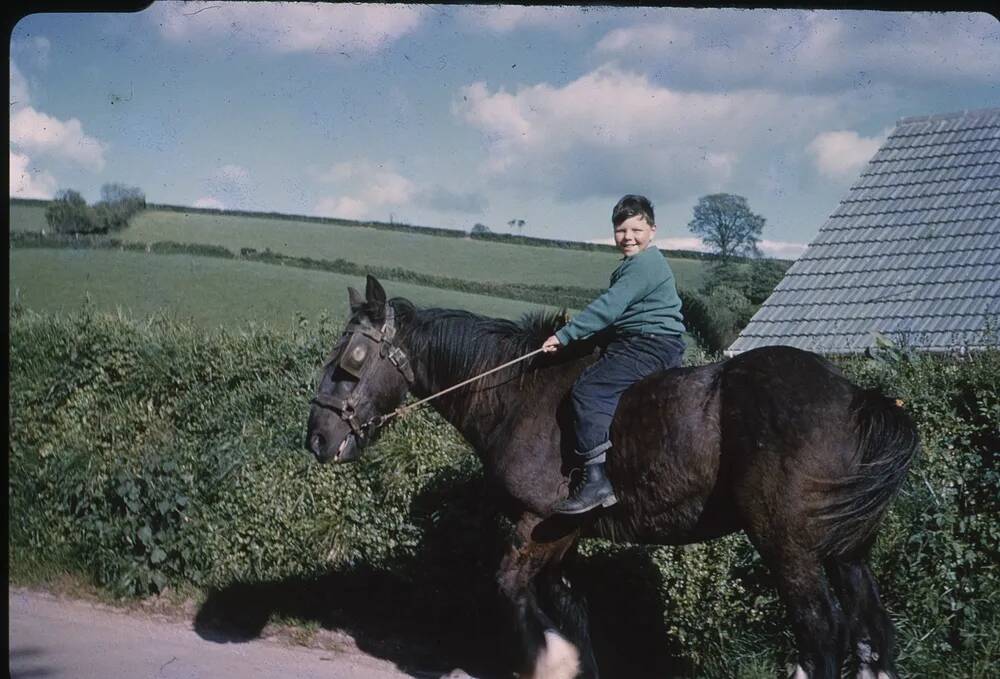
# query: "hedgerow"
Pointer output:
{"type": "Point", "coordinates": [147, 455]}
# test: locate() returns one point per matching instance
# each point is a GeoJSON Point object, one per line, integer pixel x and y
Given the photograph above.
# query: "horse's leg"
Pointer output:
{"type": "Point", "coordinates": [817, 620]}
{"type": "Point", "coordinates": [545, 653]}
{"type": "Point", "coordinates": [569, 608]}
{"type": "Point", "coordinates": [872, 638]}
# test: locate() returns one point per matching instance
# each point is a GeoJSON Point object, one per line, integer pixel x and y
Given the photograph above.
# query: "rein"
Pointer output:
{"type": "Point", "coordinates": [382, 419]}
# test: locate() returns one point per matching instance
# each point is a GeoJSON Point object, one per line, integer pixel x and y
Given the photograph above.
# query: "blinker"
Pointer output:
{"type": "Point", "coordinates": [353, 358]}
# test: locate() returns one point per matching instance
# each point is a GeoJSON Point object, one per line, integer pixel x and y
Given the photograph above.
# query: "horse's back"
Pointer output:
{"type": "Point", "coordinates": [693, 447]}
{"type": "Point", "coordinates": [665, 461]}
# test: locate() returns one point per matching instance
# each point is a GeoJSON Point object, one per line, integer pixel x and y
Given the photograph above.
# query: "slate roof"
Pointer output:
{"type": "Point", "coordinates": [912, 252]}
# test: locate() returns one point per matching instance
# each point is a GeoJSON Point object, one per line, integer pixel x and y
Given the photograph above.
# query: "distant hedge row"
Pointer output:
{"type": "Point", "coordinates": [708, 325]}
{"type": "Point", "coordinates": [34, 239]}
{"type": "Point", "coordinates": [150, 455]}
{"type": "Point", "coordinates": [553, 295]}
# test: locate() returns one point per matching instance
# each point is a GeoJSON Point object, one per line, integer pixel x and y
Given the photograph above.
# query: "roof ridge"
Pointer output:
{"type": "Point", "coordinates": [946, 116]}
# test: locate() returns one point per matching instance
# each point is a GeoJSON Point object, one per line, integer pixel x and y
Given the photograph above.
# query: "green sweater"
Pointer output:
{"type": "Point", "coordinates": [642, 299]}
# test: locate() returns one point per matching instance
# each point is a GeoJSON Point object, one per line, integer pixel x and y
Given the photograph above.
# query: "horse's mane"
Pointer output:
{"type": "Point", "coordinates": [458, 344]}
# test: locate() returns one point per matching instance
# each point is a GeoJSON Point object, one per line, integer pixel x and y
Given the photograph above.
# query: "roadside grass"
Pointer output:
{"type": "Point", "coordinates": [467, 259]}
{"type": "Point", "coordinates": [208, 291]}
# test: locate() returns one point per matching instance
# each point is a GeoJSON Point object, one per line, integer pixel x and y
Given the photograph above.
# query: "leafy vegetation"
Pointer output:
{"type": "Point", "coordinates": [726, 224]}
{"type": "Point", "coordinates": [69, 213]}
{"type": "Point", "coordinates": [151, 455]}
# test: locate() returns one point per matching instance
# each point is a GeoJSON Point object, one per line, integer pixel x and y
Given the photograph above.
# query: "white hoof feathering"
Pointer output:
{"type": "Point", "coordinates": [558, 660]}
{"type": "Point", "coordinates": [884, 675]}
{"type": "Point", "coordinates": [799, 673]}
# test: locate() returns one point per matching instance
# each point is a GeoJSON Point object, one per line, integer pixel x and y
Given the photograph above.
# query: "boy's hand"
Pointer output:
{"type": "Point", "coordinates": [551, 344]}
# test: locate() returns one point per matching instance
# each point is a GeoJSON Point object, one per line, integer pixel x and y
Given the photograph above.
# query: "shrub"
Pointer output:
{"type": "Point", "coordinates": [69, 213]}
{"type": "Point", "coordinates": [146, 455]}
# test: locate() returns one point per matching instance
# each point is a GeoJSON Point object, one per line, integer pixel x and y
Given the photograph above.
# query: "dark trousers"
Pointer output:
{"type": "Point", "coordinates": [623, 362]}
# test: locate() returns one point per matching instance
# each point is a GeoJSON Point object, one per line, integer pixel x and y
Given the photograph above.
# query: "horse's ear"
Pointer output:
{"type": "Point", "coordinates": [357, 301]}
{"type": "Point", "coordinates": [374, 291]}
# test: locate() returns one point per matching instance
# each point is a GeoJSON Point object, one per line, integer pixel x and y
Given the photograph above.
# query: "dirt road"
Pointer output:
{"type": "Point", "coordinates": [59, 638]}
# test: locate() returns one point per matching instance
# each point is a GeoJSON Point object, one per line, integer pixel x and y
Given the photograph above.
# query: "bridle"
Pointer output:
{"type": "Point", "coordinates": [353, 360]}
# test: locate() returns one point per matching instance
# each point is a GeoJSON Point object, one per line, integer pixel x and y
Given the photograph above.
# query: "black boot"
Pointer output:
{"type": "Point", "coordinates": [594, 490]}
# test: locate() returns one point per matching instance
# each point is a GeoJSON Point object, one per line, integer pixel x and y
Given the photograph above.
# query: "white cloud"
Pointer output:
{"type": "Point", "coordinates": [506, 18]}
{"type": "Point", "coordinates": [368, 187]}
{"type": "Point", "coordinates": [782, 249]}
{"type": "Point", "coordinates": [644, 37]}
{"type": "Point", "coordinates": [290, 27]}
{"type": "Point", "coordinates": [28, 183]}
{"type": "Point", "coordinates": [210, 203]}
{"type": "Point", "coordinates": [345, 208]}
{"type": "Point", "coordinates": [613, 131]}
{"type": "Point", "coordinates": [841, 154]}
{"type": "Point", "coordinates": [36, 132]}
{"type": "Point", "coordinates": [789, 49]}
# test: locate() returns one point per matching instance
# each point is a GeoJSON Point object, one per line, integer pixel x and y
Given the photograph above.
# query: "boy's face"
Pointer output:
{"type": "Point", "coordinates": [633, 235]}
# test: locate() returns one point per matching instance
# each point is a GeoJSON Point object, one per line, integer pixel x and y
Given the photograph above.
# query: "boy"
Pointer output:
{"type": "Point", "coordinates": [643, 309]}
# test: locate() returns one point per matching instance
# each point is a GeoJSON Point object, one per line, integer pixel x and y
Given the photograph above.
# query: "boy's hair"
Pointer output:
{"type": "Point", "coordinates": [630, 206]}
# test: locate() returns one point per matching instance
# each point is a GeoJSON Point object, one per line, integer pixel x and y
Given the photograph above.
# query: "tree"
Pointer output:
{"type": "Point", "coordinates": [480, 228]}
{"type": "Point", "coordinates": [119, 193]}
{"type": "Point", "coordinates": [118, 204]}
{"type": "Point", "coordinates": [69, 213]}
{"type": "Point", "coordinates": [519, 223]}
{"type": "Point", "coordinates": [726, 224]}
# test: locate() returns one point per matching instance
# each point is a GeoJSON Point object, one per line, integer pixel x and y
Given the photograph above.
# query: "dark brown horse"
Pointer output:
{"type": "Point", "coordinates": [775, 442]}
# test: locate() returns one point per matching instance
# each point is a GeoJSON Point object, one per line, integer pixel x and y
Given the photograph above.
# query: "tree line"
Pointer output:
{"type": "Point", "coordinates": [69, 213]}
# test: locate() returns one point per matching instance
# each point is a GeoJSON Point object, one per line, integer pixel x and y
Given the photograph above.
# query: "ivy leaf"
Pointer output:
{"type": "Point", "coordinates": [158, 555]}
{"type": "Point", "coordinates": [146, 535]}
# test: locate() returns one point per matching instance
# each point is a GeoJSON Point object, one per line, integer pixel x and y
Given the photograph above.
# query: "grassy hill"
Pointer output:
{"type": "Point", "coordinates": [446, 268]}
{"type": "Point", "coordinates": [468, 259]}
{"type": "Point", "coordinates": [28, 215]}
{"type": "Point", "coordinates": [208, 291]}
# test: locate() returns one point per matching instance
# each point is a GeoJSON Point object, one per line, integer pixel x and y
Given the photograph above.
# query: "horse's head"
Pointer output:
{"type": "Point", "coordinates": [366, 376]}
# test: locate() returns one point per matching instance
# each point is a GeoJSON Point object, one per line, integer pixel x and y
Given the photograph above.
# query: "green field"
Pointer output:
{"type": "Point", "coordinates": [467, 259]}
{"type": "Point", "coordinates": [205, 290]}
{"type": "Point", "coordinates": [27, 217]}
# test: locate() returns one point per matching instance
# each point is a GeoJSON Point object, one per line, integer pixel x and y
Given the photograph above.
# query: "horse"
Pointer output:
{"type": "Point", "coordinates": [775, 442]}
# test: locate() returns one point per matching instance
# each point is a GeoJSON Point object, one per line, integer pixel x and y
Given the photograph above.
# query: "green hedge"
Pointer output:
{"type": "Point", "coordinates": [148, 455]}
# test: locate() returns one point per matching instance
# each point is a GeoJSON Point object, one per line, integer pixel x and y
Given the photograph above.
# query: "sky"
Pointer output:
{"type": "Point", "coordinates": [452, 115]}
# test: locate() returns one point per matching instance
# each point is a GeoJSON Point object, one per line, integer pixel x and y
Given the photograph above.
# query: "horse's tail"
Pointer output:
{"type": "Point", "coordinates": [854, 506]}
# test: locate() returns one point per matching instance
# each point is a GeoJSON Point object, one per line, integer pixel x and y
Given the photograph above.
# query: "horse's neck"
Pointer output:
{"type": "Point", "coordinates": [475, 409]}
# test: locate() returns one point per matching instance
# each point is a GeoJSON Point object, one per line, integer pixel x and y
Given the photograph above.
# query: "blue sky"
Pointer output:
{"type": "Point", "coordinates": [452, 115]}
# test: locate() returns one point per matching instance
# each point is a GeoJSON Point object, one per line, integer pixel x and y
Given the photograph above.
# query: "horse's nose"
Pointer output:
{"type": "Point", "coordinates": [317, 443]}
